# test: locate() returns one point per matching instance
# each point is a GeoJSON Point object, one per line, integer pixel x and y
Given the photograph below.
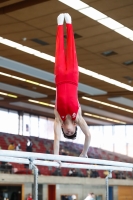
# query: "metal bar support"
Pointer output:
{"type": "Point", "coordinates": [107, 184]}
{"type": "Point", "coordinates": [33, 167]}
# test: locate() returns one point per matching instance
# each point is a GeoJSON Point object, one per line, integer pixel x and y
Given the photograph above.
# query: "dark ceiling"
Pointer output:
{"type": "Point", "coordinates": [33, 24]}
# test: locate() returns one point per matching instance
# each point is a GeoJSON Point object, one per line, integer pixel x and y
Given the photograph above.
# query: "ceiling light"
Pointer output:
{"type": "Point", "coordinates": [45, 56]}
{"type": "Point", "coordinates": [52, 59]}
{"type": "Point", "coordinates": [10, 43]}
{"type": "Point", "coordinates": [46, 104]}
{"type": "Point", "coordinates": [126, 32]}
{"type": "Point", "coordinates": [46, 86]}
{"type": "Point", "coordinates": [5, 74]}
{"type": "Point", "coordinates": [105, 78]}
{"type": "Point", "coordinates": [81, 69]}
{"type": "Point", "coordinates": [33, 101]}
{"type": "Point", "coordinates": [32, 82]}
{"type": "Point", "coordinates": [27, 50]}
{"type": "Point", "coordinates": [92, 13]}
{"type": "Point", "coordinates": [42, 103]}
{"type": "Point", "coordinates": [11, 95]}
{"type": "Point", "coordinates": [29, 81]}
{"type": "Point", "coordinates": [131, 38]}
{"type": "Point", "coordinates": [107, 104]}
{"type": "Point", "coordinates": [6, 94]}
{"type": "Point", "coordinates": [75, 5]}
{"type": "Point", "coordinates": [110, 23]}
{"type": "Point", "coordinates": [99, 17]}
{"type": "Point", "coordinates": [3, 93]}
{"type": "Point", "coordinates": [122, 100]}
{"type": "Point", "coordinates": [16, 77]}
{"type": "Point", "coordinates": [104, 118]}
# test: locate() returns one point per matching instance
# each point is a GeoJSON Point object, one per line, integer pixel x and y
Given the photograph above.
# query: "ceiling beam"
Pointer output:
{"type": "Point", "coordinates": [43, 75]}
{"type": "Point", "coordinates": [20, 5]}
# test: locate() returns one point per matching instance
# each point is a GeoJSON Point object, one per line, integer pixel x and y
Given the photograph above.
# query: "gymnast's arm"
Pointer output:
{"type": "Point", "coordinates": [84, 127]}
{"type": "Point", "coordinates": [57, 132]}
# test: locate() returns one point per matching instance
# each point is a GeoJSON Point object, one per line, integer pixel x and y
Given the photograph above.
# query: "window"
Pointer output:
{"type": "Point", "coordinates": [20, 125]}
{"type": "Point", "coordinates": [34, 124]}
{"type": "Point", "coordinates": [4, 120]}
{"type": "Point", "coordinates": [129, 134]}
{"type": "Point", "coordinates": [43, 127]}
{"type": "Point", "coordinates": [13, 122]}
{"type": "Point", "coordinates": [130, 150]}
{"type": "Point", "coordinates": [119, 133]}
{"type": "Point", "coordinates": [50, 129]}
{"type": "Point", "coordinates": [129, 140]}
{"type": "Point", "coordinates": [26, 124]}
{"type": "Point", "coordinates": [120, 139]}
{"type": "Point", "coordinates": [96, 136]}
{"type": "Point", "coordinates": [80, 137]}
{"type": "Point", "coordinates": [108, 138]}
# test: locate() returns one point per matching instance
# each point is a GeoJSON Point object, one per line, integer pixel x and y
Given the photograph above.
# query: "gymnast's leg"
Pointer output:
{"type": "Point", "coordinates": [71, 56]}
{"type": "Point", "coordinates": [59, 52]}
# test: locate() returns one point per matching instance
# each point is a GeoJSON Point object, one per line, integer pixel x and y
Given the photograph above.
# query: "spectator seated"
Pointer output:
{"type": "Point", "coordinates": [40, 145]}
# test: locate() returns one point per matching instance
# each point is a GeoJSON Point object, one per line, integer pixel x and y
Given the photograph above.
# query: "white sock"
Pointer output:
{"type": "Point", "coordinates": [60, 19]}
{"type": "Point", "coordinates": [68, 18]}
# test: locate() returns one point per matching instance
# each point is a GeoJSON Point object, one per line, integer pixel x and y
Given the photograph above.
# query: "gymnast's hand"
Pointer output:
{"type": "Point", "coordinates": [83, 156]}
{"type": "Point", "coordinates": [59, 162]}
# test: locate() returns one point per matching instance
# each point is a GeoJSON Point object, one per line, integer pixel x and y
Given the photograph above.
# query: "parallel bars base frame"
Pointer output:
{"type": "Point", "coordinates": [34, 159]}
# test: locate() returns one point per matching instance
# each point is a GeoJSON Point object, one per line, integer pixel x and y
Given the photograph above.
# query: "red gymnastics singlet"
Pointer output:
{"type": "Point", "coordinates": [66, 74]}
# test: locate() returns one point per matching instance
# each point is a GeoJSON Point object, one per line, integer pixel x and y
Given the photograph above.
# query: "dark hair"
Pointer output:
{"type": "Point", "coordinates": [72, 137]}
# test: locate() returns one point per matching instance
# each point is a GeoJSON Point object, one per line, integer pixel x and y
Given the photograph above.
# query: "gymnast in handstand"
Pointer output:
{"type": "Point", "coordinates": [67, 109]}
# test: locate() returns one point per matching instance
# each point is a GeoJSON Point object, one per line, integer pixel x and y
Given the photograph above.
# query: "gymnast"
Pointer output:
{"type": "Point", "coordinates": [67, 109]}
